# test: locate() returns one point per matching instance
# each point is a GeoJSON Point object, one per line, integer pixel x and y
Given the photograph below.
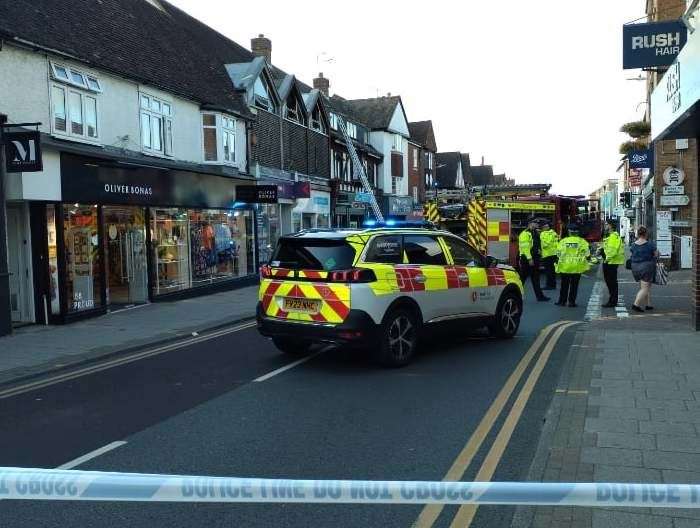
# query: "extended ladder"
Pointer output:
{"type": "Point", "coordinates": [360, 169]}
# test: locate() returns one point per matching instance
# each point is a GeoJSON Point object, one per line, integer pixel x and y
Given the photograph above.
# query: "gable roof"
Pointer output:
{"type": "Point", "coordinates": [376, 112]}
{"type": "Point", "coordinates": [165, 47]}
{"type": "Point", "coordinates": [482, 174]}
{"type": "Point", "coordinates": [447, 169]}
{"type": "Point", "coordinates": [423, 134]}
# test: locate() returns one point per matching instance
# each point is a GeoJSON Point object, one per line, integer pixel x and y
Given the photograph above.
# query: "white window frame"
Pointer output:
{"type": "Point", "coordinates": [166, 130]}
{"type": "Point", "coordinates": [225, 125]}
{"type": "Point", "coordinates": [85, 83]}
{"type": "Point", "coordinates": [351, 129]}
{"type": "Point", "coordinates": [415, 157]}
{"type": "Point", "coordinates": [334, 121]}
{"type": "Point", "coordinates": [84, 95]}
{"type": "Point", "coordinates": [397, 144]}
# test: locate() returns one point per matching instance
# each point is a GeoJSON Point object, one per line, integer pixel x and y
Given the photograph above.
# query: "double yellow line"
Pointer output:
{"type": "Point", "coordinates": [546, 340]}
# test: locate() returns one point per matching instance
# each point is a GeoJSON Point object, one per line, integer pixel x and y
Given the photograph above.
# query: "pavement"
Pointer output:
{"type": "Point", "coordinates": [35, 350]}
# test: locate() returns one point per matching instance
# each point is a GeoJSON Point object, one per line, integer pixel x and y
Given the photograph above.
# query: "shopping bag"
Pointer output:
{"type": "Point", "coordinates": [628, 264]}
{"type": "Point", "coordinates": [661, 275]}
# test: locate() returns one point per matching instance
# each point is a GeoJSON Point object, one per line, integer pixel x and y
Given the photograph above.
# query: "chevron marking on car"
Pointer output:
{"type": "Point", "coordinates": [453, 273]}
{"type": "Point", "coordinates": [406, 277]}
{"type": "Point", "coordinates": [495, 277]}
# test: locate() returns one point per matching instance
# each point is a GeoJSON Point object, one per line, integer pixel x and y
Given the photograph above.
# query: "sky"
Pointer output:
{"type": "Point", "coordinates": [536, 88]}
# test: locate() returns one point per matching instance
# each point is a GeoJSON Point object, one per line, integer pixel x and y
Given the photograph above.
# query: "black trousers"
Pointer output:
{"type": "Point", "coordinates": [569, 287]}
{"type": "Point", "coordinates": [610, 276]}
{"type": "Point", "coordinates": [533, 272]}
{"type": "Point", "coordinates": [549, 271]}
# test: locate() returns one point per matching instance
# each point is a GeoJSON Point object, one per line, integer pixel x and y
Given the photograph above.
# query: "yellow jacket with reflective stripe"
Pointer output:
{"type": "Point", "coordinates": [614, 249]}
{"type": "Point", "coordinates": [573, 253]}
{"type": "Point", "coordinates": [525, 244]}
{"type": "Point", "coordinates": [550, 240]}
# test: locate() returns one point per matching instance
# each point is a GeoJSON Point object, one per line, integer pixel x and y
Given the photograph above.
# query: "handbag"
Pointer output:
{"type": "Point", "coordinates": [661, 274]}
{"type": "Point", "coordinates": [628, 264]}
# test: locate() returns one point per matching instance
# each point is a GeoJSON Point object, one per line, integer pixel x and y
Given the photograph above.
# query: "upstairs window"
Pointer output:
{"type": "Point", "coordinates": [415, 158]}
{"type": "Point", "coordinates": [352, 129]}
{"type": "Point", "coordinates": [219, 138]}
{"type": "Point", "coordinates": [294, 111]}
{"type": "Point", "coordinates": [398, 143]}
{"type": "Point", "coordinates": [261, 94]}
{"type": "Point", "coordinates": [74, 113]}
{"type": "Point", "coordinates": [75, 77]}
{"type": "Point", "coordinates": [334, 121]}
{"type": "Point", "coordinates": [156, 125]}
{"type": "Point", "coordinates": [317, 121]}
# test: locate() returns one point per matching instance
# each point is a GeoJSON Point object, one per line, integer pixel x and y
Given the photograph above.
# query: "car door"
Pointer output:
{"type": "Point", "coordinates": [475, 294]}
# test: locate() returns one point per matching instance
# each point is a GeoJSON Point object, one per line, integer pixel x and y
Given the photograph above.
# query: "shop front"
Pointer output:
{"type": "Point", "coordinates": [125, 235]}
{"type": "Point", "coordinates": [398, 207]}
{"type": "Point", "coordinates": [312, 212]}
{"type": "Point", "coordinates": [349, 210]}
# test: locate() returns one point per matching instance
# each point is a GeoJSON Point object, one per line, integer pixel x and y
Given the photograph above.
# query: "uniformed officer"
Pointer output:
{"type": "Point", "coordinates": [573, 254]}
{"type": "Point", "coordinates": [550, 242]}
{"type": "Point", "coordinates": [613, 254]}
{"type": "Point", "coordinates": [530, 251]}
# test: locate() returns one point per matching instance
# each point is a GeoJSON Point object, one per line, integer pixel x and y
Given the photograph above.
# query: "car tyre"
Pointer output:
{"type": "Point", "coordinates": [398, 340]}
{"type": "Point", "coordinates": [291, 346]}
{"type": "Point", "coordinates": [506, 322]}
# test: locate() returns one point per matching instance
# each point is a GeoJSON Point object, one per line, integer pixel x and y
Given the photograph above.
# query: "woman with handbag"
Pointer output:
{"type": "Point", "coordinates": [643, 260]}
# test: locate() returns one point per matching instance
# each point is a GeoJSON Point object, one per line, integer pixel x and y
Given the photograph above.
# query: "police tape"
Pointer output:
{"type": "Point", "coordinates": [74, 485]}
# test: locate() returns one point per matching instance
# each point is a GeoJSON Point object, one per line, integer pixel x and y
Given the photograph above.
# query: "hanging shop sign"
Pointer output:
{"type": "Point", "coordinates": [641, 159]}
{"type": "Point", "coordinates": [23, 151]}
{"type": "Point", "coordinates": [673, 176]}
{"type": "Point", "coordinates": [399, 205]}
{"type": "Point", "coordinates": [652, 44]}
{"type": "Point", "coordinates": [674, 200]}
{"type": "Point", "coordinates": [363, 197]}
{"type": "Point", "coordinates": [265, 194]}
{"type": "Point", "coordinates": [90, 180]}
{"type": "Point", "coordinates": [635, 177]}
{"type": "Point", "coordinates": [673, 189]}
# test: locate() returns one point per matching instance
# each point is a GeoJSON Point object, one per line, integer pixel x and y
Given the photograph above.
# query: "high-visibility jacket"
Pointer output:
{"type": "Point", "coordinates": [525, 244]}
{"type": "Point", "coordinates": [573, 252]}
{"type": "Point", "coordinates": [614, 249]}
{"type": "Point", "coordinates": [550, 242]}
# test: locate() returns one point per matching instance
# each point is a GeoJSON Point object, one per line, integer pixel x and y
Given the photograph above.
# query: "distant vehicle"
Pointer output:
{"type": "Point", "coordinates": [379, 288]}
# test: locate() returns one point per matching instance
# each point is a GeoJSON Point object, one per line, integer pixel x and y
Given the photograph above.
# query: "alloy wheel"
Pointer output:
{"type": "Point", "coordinates": [401, 337]}
{"type": "Point", "coordinates": [510, 316]}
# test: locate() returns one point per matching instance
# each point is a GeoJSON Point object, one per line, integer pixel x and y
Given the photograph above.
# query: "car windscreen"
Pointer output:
{"type": "Point", "coordinates": [313, 254]}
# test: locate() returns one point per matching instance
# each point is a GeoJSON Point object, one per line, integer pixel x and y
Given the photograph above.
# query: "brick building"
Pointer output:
{"type": "Point", "coordinates": [422, 149]}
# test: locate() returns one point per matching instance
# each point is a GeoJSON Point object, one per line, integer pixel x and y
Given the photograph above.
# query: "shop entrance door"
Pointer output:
{"type": "Point", "coordinates": [20, 282]}
{"type": "Point", "coordinates": [125, 251]}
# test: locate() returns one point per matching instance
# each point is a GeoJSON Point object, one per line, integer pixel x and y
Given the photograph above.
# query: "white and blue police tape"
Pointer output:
{"type": "Point", "coordinates": [53, 484]}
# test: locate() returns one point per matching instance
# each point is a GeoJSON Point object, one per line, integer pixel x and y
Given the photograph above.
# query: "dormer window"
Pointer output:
{"type": "Point", "coordinates": [294, 110]}
{"type": "Point", "coordinates": [334, 121]}
{"type": "Point", "coordinates": [261, 93]}
{"type": "Point", "coordinates": [317, 123]}
{"type": "Point", "coordinates": [351, 129]}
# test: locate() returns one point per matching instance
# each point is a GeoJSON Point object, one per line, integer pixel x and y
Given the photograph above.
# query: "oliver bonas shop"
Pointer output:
{"type": "Point", "coordinates": [125, 234]}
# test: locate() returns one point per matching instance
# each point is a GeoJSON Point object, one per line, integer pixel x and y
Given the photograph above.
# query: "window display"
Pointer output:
{"type": "Point", "coordinates": [268, 230]}
{"type": "Point", "coordinates": [171, 250]}
{"type": "Point", "coordinates": [83, 263]}
{"type": "Point", "coordinates": [54, 291]}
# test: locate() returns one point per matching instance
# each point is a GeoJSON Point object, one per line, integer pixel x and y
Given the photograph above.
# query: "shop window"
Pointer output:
{"type": "Point", "coordinates": [219, 138]}
{"type": "Point", "coordinates": [83, 264]}
{"type": "Point", "coordinates": [156, 125]}
{"type": "Point", "coordinates": [171, 250]}
{"type": "Point", "coordinates": [268, 230]}
{"type": "Point", "coordinates": [52, 242]}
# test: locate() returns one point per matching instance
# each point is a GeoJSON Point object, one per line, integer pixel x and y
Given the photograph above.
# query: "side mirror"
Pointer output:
{"type": "Point", "coordinates": [492, 262]}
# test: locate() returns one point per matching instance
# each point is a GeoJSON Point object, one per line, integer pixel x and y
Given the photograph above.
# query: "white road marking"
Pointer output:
{"type": "Point", "coordinates": [92, 454]}
{"type": "Point", "coordinates": [593, 310]}
{"type": "Point", "coordinates": [280, 370]}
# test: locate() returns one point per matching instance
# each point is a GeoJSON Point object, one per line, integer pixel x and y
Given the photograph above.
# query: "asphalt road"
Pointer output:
{"type": "Point", "coordinates": [198, 411]}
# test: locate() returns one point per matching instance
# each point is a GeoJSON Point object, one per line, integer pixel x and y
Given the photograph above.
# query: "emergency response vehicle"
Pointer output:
{"type": "Point", "coordinates": [380, 288]}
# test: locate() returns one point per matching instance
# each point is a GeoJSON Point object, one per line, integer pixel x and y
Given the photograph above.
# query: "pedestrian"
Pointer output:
{"type": "Point", "coordinates": [643, 259]}
{"type": "Point", "coordinates": [573, 254]}
{"type": "Point", "coordinates": [613, 254]}
{"type": "Point", "coordinates": [550, 243]}
{"type": "Point", "coordinates": [529, 255]}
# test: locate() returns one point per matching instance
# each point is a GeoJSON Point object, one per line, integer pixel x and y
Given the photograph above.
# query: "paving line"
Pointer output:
{"type": "Point", "coordinates": [430, 513]}
{"type": "Point", "coordinates": [593, 310]}
{"type": "Point", "coordinates": [91, 369]}
{"type": "Point", "coordinates": [465, 514]}
{"type": "Point", "coordinates": [280, 370]}
{"type": "Point", "coordinates": [92, 454]}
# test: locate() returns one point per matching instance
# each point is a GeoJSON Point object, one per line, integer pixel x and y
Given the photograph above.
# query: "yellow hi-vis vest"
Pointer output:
{"type": "Point", "coordinates": [614, 249]}
{"type": "Point", "coordinates": [573, 253]}
{"type": "Point", "coordinates": [525, 244]}
{"type": "Point", "coordinates": [550, 241]}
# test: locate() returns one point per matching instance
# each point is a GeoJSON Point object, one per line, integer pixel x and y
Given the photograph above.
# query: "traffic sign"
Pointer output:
{"type": "Point", "coordinates": [673, 189]}
{"type": "Point", "coordinates": [674, 200]}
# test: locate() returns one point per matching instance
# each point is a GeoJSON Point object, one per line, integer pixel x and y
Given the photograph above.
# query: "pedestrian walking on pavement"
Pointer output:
{"type": "Point", "coordinates": [644, 255]}
{"type": "Point", "coordinates": [613, 253]}
{"type": "Point", "coordinates": [530, 253]}
{"type": "Point", "coordinates": [573, 254]}
{"type": "Point", "coordinates": [550, 243]}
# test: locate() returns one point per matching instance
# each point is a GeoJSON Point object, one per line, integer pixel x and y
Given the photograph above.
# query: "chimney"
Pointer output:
{"type": "Point", "coordinates": [482, 161]}
{"type": "Point", "coordinates": [261, 46]}
{"type": "Point", "coordinates": [322, 84]}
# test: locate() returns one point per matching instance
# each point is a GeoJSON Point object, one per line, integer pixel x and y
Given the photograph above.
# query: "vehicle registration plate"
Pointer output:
{"type": "Point", "coordinates": [294, 304]}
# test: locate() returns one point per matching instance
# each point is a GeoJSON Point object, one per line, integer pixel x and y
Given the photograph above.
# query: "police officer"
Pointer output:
{"type": "Point", "coordinates": [573, 254]}
{"type": "Point", "coordinates": [530, 252]}
{"type": "Point", "coordinates": [613, 254]}
{"type": "Point", "coordinates": [550, 243]}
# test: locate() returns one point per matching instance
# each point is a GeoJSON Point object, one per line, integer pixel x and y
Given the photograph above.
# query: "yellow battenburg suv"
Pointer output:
{"type": "Point", "coordinates": [379, 288]}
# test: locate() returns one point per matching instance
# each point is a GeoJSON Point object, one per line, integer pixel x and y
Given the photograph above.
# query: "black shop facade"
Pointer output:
{"type": "Point", "coordinates": [127, 233]}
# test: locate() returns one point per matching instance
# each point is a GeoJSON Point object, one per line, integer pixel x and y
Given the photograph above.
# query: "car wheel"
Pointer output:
{"type": "Point", "coordinates": [399, 338]}
{"type": "Point", "coordinates": [506, 322]}
{"type": "Point", "coordinates": [293, 347]}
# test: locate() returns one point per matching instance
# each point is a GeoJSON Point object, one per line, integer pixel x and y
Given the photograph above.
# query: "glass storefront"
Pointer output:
{"type": "Point", "coordinates": [171, 250]}
{"type": "Point", "coordinates": [83, 262]}
{"type": "Point", "coordinates": [125, 254]}
{"type": "Point", "coordinates": [54, 290]}
{"type": "Point", "coordinates": [269, 229]}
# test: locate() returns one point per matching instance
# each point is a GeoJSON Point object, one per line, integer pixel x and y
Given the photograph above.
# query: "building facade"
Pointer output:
{"type": "Point", "coordinates": [422, 150]}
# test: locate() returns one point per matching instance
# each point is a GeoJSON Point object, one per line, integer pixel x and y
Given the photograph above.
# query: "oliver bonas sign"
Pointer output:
{"type": "Point", "coordinates": [653, 44]}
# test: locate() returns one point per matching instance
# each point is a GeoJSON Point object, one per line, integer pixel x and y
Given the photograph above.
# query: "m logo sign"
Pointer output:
{"type": "Point", "coordinates": [22, 151]}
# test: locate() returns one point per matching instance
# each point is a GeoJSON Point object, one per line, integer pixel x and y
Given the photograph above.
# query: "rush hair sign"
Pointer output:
{"type": "Point", "coordinates": [653, 44]}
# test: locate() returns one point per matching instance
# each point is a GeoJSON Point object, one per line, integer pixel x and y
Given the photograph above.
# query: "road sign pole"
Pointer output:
{"type": "Point", "coordinates": [5, 312]}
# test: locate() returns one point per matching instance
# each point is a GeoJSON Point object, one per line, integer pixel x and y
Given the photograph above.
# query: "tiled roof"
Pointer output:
{"type": "Point", "coordinates": [376, 113]}
{"type": "Point", "coordinates": [422, 133]}
{"type": "Point", "coordinates": [482, 174]}
{"type": "Point", "coordinates": [447, 167]}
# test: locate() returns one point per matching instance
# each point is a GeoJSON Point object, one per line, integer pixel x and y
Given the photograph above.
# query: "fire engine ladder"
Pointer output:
{"type": "Point", "coordinates": [360, 169]}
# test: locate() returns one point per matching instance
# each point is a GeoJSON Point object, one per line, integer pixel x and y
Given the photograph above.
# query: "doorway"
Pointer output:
{"type": "Point", "coordinates": [125, 253]}
{"type": "Point", "coordinates": [18, 259]}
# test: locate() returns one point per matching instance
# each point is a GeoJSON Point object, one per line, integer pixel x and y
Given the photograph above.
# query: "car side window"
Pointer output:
{"type": "Point", "coordinates": [462, 254]}
{"type": "Point", "coordinates": [386, 249]}
{"type": "Point", "coordinates": [421, 249]}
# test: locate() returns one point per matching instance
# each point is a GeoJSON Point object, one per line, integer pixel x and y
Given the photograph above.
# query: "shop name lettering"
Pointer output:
{"type": "Point", "coordinates": [128, 189]}
{"type": "Point", "coordinates": [664, 43]}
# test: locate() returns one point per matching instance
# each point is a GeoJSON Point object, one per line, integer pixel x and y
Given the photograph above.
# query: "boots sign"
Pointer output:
{"type": "Point", "coordinates": [22, 151]}
{"type": "Point", "coordinates": [654, 44]}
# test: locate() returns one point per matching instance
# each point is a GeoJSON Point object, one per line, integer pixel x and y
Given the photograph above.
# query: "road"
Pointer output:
{"type": "Point", "coordinates": [199, 410]}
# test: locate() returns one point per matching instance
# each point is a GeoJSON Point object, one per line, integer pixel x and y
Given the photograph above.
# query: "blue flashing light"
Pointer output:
{"type": "Point", "coordinates": [399, 223]}
{"type": "Point", "coordinates": [391, 222]}
{"type": "Point", "coordinates": [369, 223]}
